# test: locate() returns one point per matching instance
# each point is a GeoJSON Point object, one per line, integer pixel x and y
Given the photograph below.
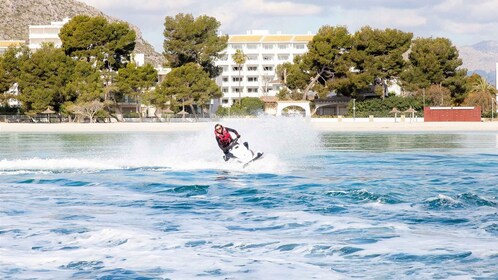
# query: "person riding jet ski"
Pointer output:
{"type": "Point", "coordinates": [224, 139]}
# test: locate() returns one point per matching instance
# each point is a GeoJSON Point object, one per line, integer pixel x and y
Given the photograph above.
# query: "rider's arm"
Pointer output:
{"type": "Point", "coordinates": [233, 131]}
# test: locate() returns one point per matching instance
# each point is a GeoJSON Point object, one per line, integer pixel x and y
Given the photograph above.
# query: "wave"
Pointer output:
{"type": "Point", "coordinates": [55, 165]}
{"type": "Point", "coordinates": [461, 201]}
{"type": "Point", "coordinates": [51, 164]}
{"type": "Point", "coordinates": [364, 196]}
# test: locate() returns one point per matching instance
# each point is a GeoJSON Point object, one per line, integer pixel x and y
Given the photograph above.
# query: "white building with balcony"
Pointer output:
{"type": "Point", "coordinates": [39, 34]}
{"type": "Point", "coordinates": [263, 51]}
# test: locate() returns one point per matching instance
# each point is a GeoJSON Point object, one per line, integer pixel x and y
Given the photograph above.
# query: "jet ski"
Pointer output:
{"type": "Point", "coordinates": [241, 153]}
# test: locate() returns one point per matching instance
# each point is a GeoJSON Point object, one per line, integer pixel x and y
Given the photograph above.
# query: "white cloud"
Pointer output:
{"type": "Point", "coordinates": [381, 18]}
{"type": "Point", "coordinates": [459, 19]}
{"type": "Point", "coordinates": [143, 5]}
{"type": "Point", "coordinates": [286, 8]}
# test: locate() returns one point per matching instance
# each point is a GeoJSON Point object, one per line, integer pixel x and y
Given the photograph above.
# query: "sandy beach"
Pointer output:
{"type": "Point", "coordinates": [322, 125]}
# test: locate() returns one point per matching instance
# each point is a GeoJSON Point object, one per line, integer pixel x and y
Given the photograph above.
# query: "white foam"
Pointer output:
{"type": "Point", "coordinates": [281, 139]}
{"type": "Point", "coordinates": [54, 164]}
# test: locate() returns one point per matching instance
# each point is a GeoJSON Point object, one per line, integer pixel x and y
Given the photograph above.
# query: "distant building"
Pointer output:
{"type": "Point", "coordinates": [496, 73]}
{"type": "Point", "coordinates": [39, 34]}
{"type": "Point", "coordinates": [13, 92]}
{"type": "Point", "coordinates": [263, 52]}
{"type": "Point", "coordinates": [5, 44]}
{"type": "Point", "coordinates": [138, 58]}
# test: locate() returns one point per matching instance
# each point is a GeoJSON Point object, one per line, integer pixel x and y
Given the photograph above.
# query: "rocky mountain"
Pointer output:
{"type": "Point", "coordinates": [17, 15]}
{"type": "Point", "coordinates": [481, 58]}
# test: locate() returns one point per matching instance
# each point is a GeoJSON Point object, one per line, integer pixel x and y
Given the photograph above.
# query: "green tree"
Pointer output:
{"type": "Point", "coordinates": [109, 45]}
{"type": "Point", "coordinates": [293, 77]}
{"type": "Point", "coordinates": [326, 54]}
{"type": "Point", "coordinates": [5, 81]}
{"type": "Point", "coordinates": [239, 58]}
{"type": "Point", "coordinates": [135, 81]}
{"type": "Point", "coordinates": [481, 94]}
{"type": "Point", "coordinates": [248, 106]}
{"type": "Point", "coordinates": [193, 40]}
{"type": "Point", "coordinates": [85, 83]}
{"type": "Point", "coordinates": [187, 85]}
{"type": "Point", "coordinates": [10, 66]}
{"type": "Point", "coordinates": [434, 62]}
{"type": "Point", "coordinates": [377, 56]}
{"type": "Point", "coordinates": [43, 79]}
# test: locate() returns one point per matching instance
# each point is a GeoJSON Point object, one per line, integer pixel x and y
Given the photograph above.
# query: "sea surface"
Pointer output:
{"type": "Point", "coordinates": [164, 205]}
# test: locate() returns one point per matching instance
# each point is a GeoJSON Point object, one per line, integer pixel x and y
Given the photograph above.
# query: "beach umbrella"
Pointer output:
{"type": "Point", "coordinates": [411, 111]}
{"type": "Point", "coordinates": [395, 111]}
{"type": "Point", "coordinates": [48, 112]}
{"type": "Point", "coordinates": [183, 113]}
{"type": "Point", "coordinates": [168, 111]}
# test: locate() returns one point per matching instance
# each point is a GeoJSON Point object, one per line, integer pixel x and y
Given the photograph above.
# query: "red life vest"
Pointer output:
{"type": "Point", "coordinates": [224, 137]}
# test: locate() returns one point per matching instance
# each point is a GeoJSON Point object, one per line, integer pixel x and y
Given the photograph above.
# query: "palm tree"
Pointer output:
{"type": "Point", "coordinates": [481, 94]}
{"type": "Point", "coordinates": [239, 58]}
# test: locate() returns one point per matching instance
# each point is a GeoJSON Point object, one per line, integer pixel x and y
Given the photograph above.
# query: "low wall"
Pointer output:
{"type": "Point", "coordinates": [452, 114]}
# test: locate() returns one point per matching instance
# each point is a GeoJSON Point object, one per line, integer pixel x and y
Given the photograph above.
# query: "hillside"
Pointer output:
{"type": "Point", "coordinates": [481, 58]}
{"type": "Point", "coordinates": [17, 15]}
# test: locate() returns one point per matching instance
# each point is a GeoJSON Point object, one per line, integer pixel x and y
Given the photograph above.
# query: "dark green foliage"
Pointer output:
{"type": "Point", "coordinates": [94, 38]}
{"type": "Point", "coordinates": [434, 62]}
{"type": "Point", "coordinates": [381, 108]}
{"type": "Point", "coordinates": [193, 40]}
{"type": "Point", "coordinates": [292, 75]}
{"type": "Point", "coordinates": [43, 79]}
{"type": "Point", "coordinates": [377, 58]}
{"type": "Point", "coordinates": [248, 106]}
{"type": "Point", "coordinates": [135, 81]}
{"type": "Point", "coordinates": [187, 85]}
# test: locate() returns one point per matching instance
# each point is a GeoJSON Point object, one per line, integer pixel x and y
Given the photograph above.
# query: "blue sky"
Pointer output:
{"type": "Point", "coordinates": [463, 22]}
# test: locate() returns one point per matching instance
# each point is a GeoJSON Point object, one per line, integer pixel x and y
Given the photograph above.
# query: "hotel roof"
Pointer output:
{"type": "Point", "coordinates": [8, 43]}
{"type": "Point", "coordinates": [269, 38]}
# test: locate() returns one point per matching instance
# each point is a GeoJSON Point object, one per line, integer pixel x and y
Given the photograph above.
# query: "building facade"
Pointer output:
{"type": "Point", "coordinates": [263, 51]}
{"type": "Point", "coordinates": [39, 34]}
{"type": "Point", "coordinates": [5, 44]}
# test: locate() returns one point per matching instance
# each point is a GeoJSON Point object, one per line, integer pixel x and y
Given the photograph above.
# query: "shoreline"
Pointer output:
{"type": "Point", "coordinates": [322, 125]}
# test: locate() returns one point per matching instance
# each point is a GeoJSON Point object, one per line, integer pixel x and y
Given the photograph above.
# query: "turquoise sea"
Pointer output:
{"type": "Point", "coordinates": [328, 205]}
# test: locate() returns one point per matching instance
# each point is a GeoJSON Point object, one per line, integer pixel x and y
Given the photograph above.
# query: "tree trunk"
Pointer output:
{"type": "Point", "coordinates": [311, 84]}
{"type": "Point", "coordinates": [193, 111]}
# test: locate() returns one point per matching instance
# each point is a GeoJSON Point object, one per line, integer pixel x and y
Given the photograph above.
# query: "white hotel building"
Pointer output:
{"type": "Point", "coordinates": [263, 53]}
{"type": "Point", "coordinates": [39, 34]}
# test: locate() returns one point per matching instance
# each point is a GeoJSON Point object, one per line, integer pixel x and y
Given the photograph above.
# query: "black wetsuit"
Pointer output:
{"type": "Point", "coordinates": [224, 139]}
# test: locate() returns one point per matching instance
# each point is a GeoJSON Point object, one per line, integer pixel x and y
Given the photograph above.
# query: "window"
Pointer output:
{"type": "Point", "coordinates": [299, 46]}
{"type": "Point", "coordinates": [237, 89]}
{"type": "Point", "coordinates": [224, 90]}
{"type": "Point", "coordinates": [283, 46]}
{"type": "Point", "coordinates": [252, 46]}
{"type": "Point", "coordinates": [283, 57]}
{"type": "Point", "coordinates": [267, 68]}
{"type": "Point", "coordinates": [223, 57]}
{"type": "Point", "coordinates": [237, 46]}
{"type": "Point", "coordinates": [267, 57]}
{"type": "Point", "coordinates": [252, 89]}
{"type": "Point", "coordinates": [252, 79]}
{"type": "Point", "coordinates": [252, 57]}
{"type": "Point", "coordinates": [236, 79]}
{"type": "Point", "coordinates": [225, 68]}
{"type": "Point", "coordinates": [237, 68]}
{"type": "Point", "coordinates": [252, 68]}
{"type": "Point", "coordinates": [224, 79]}
{"type": "Point", "coordinates": [267, 46]}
